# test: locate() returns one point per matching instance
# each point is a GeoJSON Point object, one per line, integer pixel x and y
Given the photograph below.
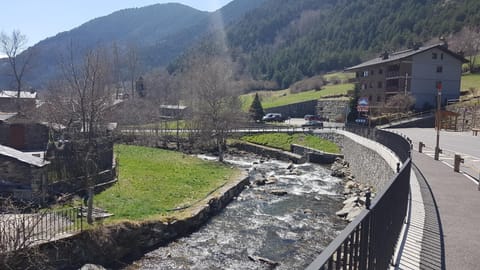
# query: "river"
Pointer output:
{"type": "Point", "coordinates": [288, 230]}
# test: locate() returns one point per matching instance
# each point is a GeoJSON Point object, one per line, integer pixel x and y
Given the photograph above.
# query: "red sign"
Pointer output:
{"type": "Point", "coordinates": [362, 108]}
{"type": "Point", "coordinates": [439, 86]}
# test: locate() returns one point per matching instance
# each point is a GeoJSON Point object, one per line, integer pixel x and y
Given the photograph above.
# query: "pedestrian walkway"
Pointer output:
{"type": "Point", "coordinates": [449, 236]}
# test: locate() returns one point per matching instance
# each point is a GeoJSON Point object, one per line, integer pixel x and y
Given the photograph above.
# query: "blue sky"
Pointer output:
{"type": "Point", "coordinates": [39, 19]}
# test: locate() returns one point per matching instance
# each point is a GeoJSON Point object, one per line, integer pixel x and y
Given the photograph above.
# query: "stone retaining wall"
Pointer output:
{"type": "Point", "coordinates": [314, 155]}
{"type": "Point", "coordinates": [269, 152]}
{"type": "Point", "coordinates": [371, 163]}
{"type": "Point", "coordinates": [113, 244]}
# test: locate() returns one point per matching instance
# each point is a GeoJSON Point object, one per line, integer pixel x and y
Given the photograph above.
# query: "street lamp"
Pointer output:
{"type": "Point", "coordinates": [438, 119]}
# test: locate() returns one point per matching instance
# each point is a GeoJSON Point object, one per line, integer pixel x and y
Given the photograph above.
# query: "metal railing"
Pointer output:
{"type": "Point", "coordinates": [18, 231]}
{"type": "Point", "coordinates": [369, 241]}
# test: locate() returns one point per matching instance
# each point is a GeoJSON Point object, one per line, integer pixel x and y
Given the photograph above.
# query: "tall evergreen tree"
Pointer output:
{"type": "Point", "coordinates": [256, 110]}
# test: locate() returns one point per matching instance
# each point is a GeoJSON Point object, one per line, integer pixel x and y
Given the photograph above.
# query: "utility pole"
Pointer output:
{"type": "Point", "coordinates": [438, 119]}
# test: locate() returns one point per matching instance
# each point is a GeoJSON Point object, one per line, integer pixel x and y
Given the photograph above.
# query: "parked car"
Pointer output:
{"type": "Point", "coordinates": [273, 117]}
{"type": "Point", "coordinates": [313, 124]}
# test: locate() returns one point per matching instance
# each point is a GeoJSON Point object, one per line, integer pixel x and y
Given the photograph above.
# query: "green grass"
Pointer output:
{"type": "Point", "coordinates": [342, 76]}
{"type": "Point", "coordinates": [470, 81]}
{"type": "Point", "coordinates": [152, 181]}
{"type": "Point", "coordinates": [283, 141]}
{"type": "Point", "coordinates": [272, 99]}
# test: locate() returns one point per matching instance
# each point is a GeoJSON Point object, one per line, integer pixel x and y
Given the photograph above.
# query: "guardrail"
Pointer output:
{"type": "Point", "coordinates": [369, 241]}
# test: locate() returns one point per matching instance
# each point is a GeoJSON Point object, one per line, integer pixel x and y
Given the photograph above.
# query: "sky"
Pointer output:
{"type": "Point", "coordinates": [40, 19]}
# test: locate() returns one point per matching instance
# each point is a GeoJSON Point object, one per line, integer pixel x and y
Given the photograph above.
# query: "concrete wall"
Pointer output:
{"type": "Point", "coordinates": [425, 77]}
{"type": "Point", "coordinates": [297, 110]}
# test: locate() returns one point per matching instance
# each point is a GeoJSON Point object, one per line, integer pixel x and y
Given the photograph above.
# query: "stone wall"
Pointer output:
{"type": "Point", "coordinates": [21, 181]}
{"type": "Point", "coordinates": [333, 108]}
{"type": "Point", "coordinates": [314, 155]}
{"type": "Point", "coordinates": [269, 152]}
{"type": "Point", "coordinates": [370, 162]}
{"type": "Point", "coordinates": [297, 110]}
{"type": "Point", "coordinates": [112, 245]}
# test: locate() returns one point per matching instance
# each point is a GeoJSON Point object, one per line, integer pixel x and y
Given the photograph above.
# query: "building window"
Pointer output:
{"type": "Point", "coordinates": [365, 73]}
{"type": "Point", "coordinates": [372, 72]}
{"type": "Point", "coordinates": [369, 98]}
{"type": "Point", "coordinates": [441, 56]}
{"type": "Point", "coordinates": [380, 85]}
{"type": "Point", "coordinates": [380, 71]}
{"type": "Point", "coordinates": [434, 55]}
{"type": "Point", "coordinates": [439, 69]}
{"type": "Point", "coordinates": [379, 98]}
{"type": "Point", "coordinates": [371, 84]}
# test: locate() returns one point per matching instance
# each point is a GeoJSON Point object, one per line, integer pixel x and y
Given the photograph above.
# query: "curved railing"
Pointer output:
{"type": "Point", "coordinates": [369, 241]}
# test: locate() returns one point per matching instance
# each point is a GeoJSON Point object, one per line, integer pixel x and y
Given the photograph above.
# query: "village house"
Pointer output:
{"type": "Point", "coordinates": [22, 175]}
{"type": "Point", "coordinates": [418, 71]}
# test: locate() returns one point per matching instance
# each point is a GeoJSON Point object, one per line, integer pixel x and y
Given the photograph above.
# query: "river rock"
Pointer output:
{"type": "Point", "coordinates": [278, 192]}
{"type": "Point", "coordinates": [290, 166]}
{"type": "Point", "coordinates": [263, 260]}
{"type": "Point", "coordinates": [271, 180]}
{"type": "Point", "coordinates": [92, 267]}
{"type": "Point", "coordinates": [353, 213]}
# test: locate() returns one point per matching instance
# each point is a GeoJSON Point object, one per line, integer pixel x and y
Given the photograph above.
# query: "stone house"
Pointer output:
{"type": "Point", "coordinates": [9, 101]}
{"type": "Point", "coordinates": [416, 71]}
{"type": "Point", "coordinates": [22, 175]}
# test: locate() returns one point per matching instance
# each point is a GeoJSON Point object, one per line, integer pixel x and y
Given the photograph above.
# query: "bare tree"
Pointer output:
{"type": "Point", "coordinates": [467, 41]}
{"type": "Point", "coordinates": [212, 97]}
{"type": "Point", "coordinates": [12, 46]}
{"type": "Point", "coordinates": [132, 66]}
{"type": "Point", "coordinates": [80, 99]}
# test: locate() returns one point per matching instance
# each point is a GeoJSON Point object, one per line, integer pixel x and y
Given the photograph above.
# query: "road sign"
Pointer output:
{"type": "Point", "coordinates": [363, 101]}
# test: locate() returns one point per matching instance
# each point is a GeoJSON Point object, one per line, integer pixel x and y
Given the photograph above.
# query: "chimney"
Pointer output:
{"type": "Point", "coordinates": [384, 55]}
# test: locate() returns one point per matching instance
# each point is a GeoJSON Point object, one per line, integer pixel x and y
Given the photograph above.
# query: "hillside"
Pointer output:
{"type": "Point", "coordinates": [270, 40]}
{"type": "Point", "coordinates": [159, 33]}
{"type": "Point", "coordinates": [285, 40]}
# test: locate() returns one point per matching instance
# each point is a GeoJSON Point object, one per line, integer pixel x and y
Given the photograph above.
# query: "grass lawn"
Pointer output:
{"type": "Point", "coordinates": [272, 99]}
{"type": "Point", "coordinates": [152, 181]}
{"type": "Point", "coordinates": [283, 141]}
{"type": "Point", "coordinates": [470, 81]}
{"type": "Point", "coordinates": [342, 76]}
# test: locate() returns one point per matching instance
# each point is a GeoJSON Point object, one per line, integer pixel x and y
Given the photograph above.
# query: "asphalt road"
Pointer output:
{"type": "Point", "coordinates": [462, 143]}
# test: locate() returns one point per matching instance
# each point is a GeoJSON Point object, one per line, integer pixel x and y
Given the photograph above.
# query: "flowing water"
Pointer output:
{"type": "Point", "coordinates": [290, 230]}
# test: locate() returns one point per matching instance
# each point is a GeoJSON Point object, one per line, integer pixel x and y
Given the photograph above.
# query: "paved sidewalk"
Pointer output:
{"type": "Point", "coordinates": [458, 202]}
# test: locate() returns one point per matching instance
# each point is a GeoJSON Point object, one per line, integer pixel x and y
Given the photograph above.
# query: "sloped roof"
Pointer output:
{"type": "Point", "coordinates": [22, 156]}
{"type": "Point", "coordinates": [405, 54]}
{"type": "Point", "coordinates": [13, 94]}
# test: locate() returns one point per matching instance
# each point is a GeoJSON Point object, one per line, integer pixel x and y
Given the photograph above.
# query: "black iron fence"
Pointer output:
{"type": "Point", "coordinates": [18, 231]}
{"type": "Point", "coordinates": [369, 241]}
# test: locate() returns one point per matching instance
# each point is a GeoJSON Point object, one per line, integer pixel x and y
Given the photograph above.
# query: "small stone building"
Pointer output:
{"type": "Point", "coordinates": [23, 176]}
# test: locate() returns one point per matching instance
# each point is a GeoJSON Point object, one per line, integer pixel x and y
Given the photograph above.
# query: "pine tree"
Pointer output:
{"type": "Point", "coordinates": [256, 110]}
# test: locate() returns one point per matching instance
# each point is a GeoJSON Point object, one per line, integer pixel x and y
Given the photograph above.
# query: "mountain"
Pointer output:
{"type": "Point", "coordinates": [274, 40]}
{"type": "Point", "coordinates": [286, 40]}
{"type": "Point", "coordinates": [159, 33]}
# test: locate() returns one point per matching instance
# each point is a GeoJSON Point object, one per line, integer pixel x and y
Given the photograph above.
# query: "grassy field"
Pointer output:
{"type": "Point", "coordinates": [152, 181]}
{"type": "Point", "coordinates": [470, 81]}
{"type": "Point", "coordinates": [272, 99]}
{"type": "Point", "coordinates": [342, 76]}
{"type": "Point", "coordinates": [283, 141]}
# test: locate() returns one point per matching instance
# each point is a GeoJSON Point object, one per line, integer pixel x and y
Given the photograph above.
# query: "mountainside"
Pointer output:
{"type": "Point", "coordinates": [285, 40]}
{"type": "Point", "coordinates": [276, 40]}
{"type": "Point", "coordinates": [159, 33]}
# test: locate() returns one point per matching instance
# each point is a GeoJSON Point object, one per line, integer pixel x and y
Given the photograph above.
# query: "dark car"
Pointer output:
{"type": "Point", "coordinates": [273, 117]}
{"type": "Point", "coordinates": [313, 124]}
